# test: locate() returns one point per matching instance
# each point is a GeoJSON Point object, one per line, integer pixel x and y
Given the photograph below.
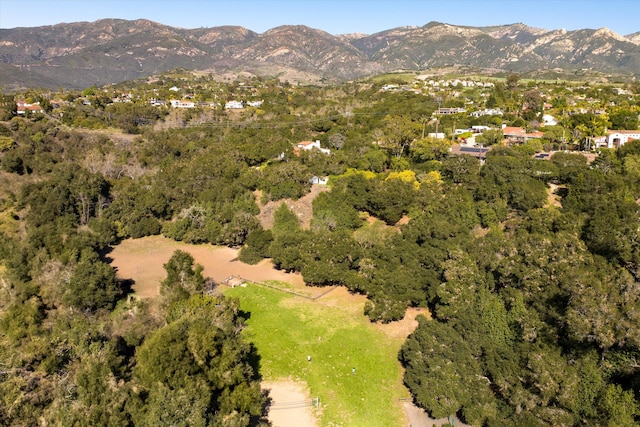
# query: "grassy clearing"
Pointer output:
{"type": "Point", "coordinates": [286, 329]}
{"type": "Point", "coordinates": [406, 77]}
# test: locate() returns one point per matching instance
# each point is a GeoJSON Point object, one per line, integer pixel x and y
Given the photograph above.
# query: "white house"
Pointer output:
{"type": "Point", "coordinates": [310, 145]}
{"type": "Point", "coordinates": [487, 112]}
{"type": "Point", "coordinates": [616, 138]}
{"type": "Point", "coordinates": [319, 180]}
{"type": "Point", "coordinates": [549, 120]}
{"type": "Point", "coordinates": [448, 110]}
{"type": "Point", "coordinates": [479, 128]}
{"type": "Point", "coordinates": [234, 105]}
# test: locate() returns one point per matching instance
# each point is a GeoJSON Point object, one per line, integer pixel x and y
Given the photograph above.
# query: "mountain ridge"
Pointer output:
{"type": "Point", "coordinates": [81, 54]}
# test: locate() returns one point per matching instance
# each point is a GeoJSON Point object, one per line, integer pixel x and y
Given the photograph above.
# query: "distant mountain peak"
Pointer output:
{"type": "Point", "coordinates": [605, 32]}
{"type": "Point", "coordinates": [83, 54]}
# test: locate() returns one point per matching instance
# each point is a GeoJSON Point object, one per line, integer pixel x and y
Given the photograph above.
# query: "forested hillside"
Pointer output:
{"type": "Point", "coordinates": [529, 264]}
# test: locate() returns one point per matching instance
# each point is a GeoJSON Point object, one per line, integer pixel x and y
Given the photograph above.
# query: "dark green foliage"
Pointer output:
{"type": "Point", "coordinates": [257, 246]}
{"type": "Point", "coordinates": [196, 370]}
{"type": "Point", "coordinates": [183, 278]}
{"type": "Point", "coordinates": [93, 284]}
{"type": "Point", "coordinates": [461, 169]}
{"type": "Point", "coordinates": [285, 250]}
{"type": "Point", "coordinates": [286, 180]}
{"type": "Point", "coordinates": [509, 175]}
{"type": "Point", "coordinates": [329, 258]}
{"type": "Point", "coordinates": [285, 221]}
{"type": "Point", "coordinates": [443, 375]}
{"type": "Point", "coordinates": [624, 119]}
{"type": "Point", "coordinates": [332, 212]}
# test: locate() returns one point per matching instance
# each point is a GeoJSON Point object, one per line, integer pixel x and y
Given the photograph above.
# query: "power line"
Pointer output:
{"type": "Point", "coordinates": [281, 124]}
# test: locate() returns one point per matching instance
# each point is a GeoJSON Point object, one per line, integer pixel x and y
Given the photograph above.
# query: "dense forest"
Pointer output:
{"type": "Point", "coordinates": [535, 305]}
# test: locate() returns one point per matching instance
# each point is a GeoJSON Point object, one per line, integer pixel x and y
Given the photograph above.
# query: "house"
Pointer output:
{"type": "Point", "coordinates": [519, 135]}
{"type": "Point", "coordinates": [23, 107]}
{"type": "Point", "coordinates": [175, 103]}
{"type": "Point", "coordinates": [479, 128]}
{"type": "Point", "coordinates": [487, 112]}
{"type": "Point", "coordinates": [319, 180]}
{"type": "Point", "coordinates": [436, 135]}
{"type": "Point", "coordinates": [549, 120]}
{"type": "Point", "coordinates": [616, 138]}
{"type": "Point", "coordinates": [478, 152]}
{"type": "Point", "coordinates": [255, 103]}
{"type": "Point", "coordinates": [310, 145]}
{"type": "Point", "coordinates": [461, 131]}
{"type": "Point", "coordinates": [514, 134]}
{"type": "Point", "coordinates": [446, 111]}
{"type": "Point", "coordinates": [234, 105]}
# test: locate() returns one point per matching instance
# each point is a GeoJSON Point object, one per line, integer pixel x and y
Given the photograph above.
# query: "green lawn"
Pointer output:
{"type": "Point", "coordinates": [286, 329]}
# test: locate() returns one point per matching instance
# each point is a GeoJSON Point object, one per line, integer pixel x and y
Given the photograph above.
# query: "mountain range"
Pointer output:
{"type": "Point", "coordinates": [82, 54]}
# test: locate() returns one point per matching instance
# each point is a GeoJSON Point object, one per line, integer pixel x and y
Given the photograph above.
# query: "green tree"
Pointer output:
{"type": "Point", "coordinates": [183, 278]}
{"type": "Point", "coordinates": [623, 118]}
{"type": "Point", "coordinates": [442, 373]}
{"type": "Point", "coordinates": [93, 284]}
{"type": "Point", "coordinates": [196, 370]}
{"type": "Point", "coordinates": [399, 133]}
{"type": "Point", "coordinates": [285, 221]}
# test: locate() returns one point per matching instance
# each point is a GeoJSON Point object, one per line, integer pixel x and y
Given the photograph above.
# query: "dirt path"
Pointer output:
{"type": "Point", "coordinates": [291, 405]}
{"type": "Point", "coordinates": [553, 198]}
{"type": "Point", "coordinates": [418, 418]}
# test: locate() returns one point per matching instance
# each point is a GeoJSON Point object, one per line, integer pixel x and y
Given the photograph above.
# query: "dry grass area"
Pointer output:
{"type": "Point", "coordinates": [116, 135]}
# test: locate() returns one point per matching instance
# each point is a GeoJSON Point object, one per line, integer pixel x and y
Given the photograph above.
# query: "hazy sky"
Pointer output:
{"type": "Point", "coordinates": [333, 16]}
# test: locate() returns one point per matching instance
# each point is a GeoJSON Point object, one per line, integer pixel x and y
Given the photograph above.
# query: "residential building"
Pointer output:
{"type": "Point", "coordinates": [487, 112]}
{"type": "Point", "coordinates": [453, 110]}
{"type": "Point", "coordinates": [549, 120]}
{"type": "Point", "coordinates": [175, 103]}
{"type": "Point", "coordinates": [470, 150]}
{"type": "Point", "coordinates": [23, 107]}
{"type": "Point", "coordinates": [519, 135]}
{"type": "Point", "coordinates": [616, 138]}
{"type": "Point", "coordinates": [436, 135]}
{"type": "Point", "coordinates": [310, 145]}
{"type": "Point", "coordinates": [234, 105]}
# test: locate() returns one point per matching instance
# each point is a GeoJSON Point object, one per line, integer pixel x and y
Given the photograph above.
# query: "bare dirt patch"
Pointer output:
{"type": "Point", "coordinates": [303, 207]}
{"type": "Point", "coordinates": [142, 261]}
{"type": "Point", "coordinates": [403, 328]}
{"type": "Point", "coordinates": [418, 418]}
{"type": "Point", "coordinates": [291, 404]}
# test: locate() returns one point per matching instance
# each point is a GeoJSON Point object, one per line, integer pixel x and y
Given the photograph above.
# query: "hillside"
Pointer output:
{"type": "Point", "coordinates": [525, 255]}
{"type": "Point", "coordinates": [82, 54]}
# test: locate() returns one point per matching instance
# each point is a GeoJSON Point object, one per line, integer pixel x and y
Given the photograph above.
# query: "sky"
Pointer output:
{"type": "Point", "coordinates": [332, 16]}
